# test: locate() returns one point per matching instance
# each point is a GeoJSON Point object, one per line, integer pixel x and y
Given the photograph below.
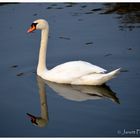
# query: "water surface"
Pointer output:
{"type": "Point", "coordinates": [102, 34]}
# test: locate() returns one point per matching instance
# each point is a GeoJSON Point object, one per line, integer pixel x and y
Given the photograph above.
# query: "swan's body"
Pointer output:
{"type": "Point", "coordinates": [73, 72]}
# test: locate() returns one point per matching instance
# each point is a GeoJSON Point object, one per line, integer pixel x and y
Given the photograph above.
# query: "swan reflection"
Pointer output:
{"type": "Point", "coordinates": [43, 120]}
{"type": "Point", "coordinates": [83, 93]}
{"type": "Point", "coordinates": [70, 92]}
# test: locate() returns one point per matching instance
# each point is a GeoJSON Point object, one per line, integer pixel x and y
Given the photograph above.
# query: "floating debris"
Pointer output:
{"type": "Point", "coordinates": [49, 8]}
{"type": "Point", "coordinates": [26, 73]}
{"type": "Point", "coordinates": [20, 74]}
{"type": "Point", "coordinates": [34, 72]}
{"type": "Point", "coordinates": [89, 13]}
{"type": "Point", "coordinates": [35, 14]}
{"type": "Point", "coordinates": [14, 66]}
{"type": "Point", "coordinates": [59, 8]}
{"type": "Point", "coordinates": [83, 6]}
{"type": "Point", "coordinates": [129, 49]}
{"type": "Point", "coordinates": [89, 43]}
{"type": "Point", "coordinates": [70, 4]}
{"type": "Point", "coordinates": [93, 10]}
{"type": "Point", "coordinates": [97, 9]}
{"type": "Point", "coordinates": [66, 38]}
{"type": "Point", "coordinates": [124, 70]}
{"type": "Point", "coordinates": [109, 54]}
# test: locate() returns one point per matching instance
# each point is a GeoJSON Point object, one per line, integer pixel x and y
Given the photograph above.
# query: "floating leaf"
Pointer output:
{"type": "Point", "coordinates": [108, 54]}
{"type": "Point", "coordinates": [14, 66]}
{"type": "Point", "coordinates": [62, 37]}
{"type": "Point", "coordinates": [20, 74]}
{"type": "Point", "coordinates": [89, 43]}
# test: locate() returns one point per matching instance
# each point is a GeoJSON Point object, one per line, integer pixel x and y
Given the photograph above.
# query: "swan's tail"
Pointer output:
{"type": "Point", "coordinates": [97, 79]}
{"type": "Point", "coordinates": [112, 74]}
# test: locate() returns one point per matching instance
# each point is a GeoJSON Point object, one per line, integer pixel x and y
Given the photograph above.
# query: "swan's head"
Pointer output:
{"type": "Point", "coordinates": [39, 24]}
{"type": "Point", "coordinates": [37, 121]}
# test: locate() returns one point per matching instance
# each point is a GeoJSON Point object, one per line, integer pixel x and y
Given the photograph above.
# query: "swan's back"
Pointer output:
{"type": "Point", "coordinates": [78, 67]}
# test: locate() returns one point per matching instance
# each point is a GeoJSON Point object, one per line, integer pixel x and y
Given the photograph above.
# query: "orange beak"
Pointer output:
{"type": "Point", "coordinates": [31, 29]}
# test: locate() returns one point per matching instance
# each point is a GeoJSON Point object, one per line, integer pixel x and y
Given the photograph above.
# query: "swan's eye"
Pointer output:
{"type": "Point", "coordinates": [34, 25]}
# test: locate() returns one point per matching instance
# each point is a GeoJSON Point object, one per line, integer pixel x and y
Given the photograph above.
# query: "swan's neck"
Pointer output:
{"type": "Point", "coordinates": [42, 53]}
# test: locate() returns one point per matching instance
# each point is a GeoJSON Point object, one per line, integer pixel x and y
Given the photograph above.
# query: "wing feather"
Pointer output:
{"type": "Point", "coordinates": [78, 67]}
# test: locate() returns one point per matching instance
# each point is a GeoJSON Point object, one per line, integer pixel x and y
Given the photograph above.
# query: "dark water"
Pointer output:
{"type": "Point", "coordinates": [107, 35]}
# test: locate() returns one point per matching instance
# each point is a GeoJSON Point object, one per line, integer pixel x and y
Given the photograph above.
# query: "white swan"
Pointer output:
{"type": "Point", "coordinates": [73, 72]}
{"type": "Point", "coordinates": [42, 120]}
